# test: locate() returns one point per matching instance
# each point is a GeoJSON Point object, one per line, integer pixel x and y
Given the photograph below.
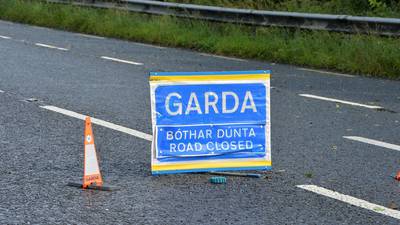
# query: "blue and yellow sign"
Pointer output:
{"type": "Point", "coordinates": [210, 121]}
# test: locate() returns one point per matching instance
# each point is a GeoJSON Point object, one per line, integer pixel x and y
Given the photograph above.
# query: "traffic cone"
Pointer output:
{"type": "Point", "coordinates": [397, 177]}
{"type": "Point", "coordinates": [91, 170]}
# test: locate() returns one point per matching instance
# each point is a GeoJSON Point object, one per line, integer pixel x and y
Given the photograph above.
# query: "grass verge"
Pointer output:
{"type": "Point", "coordinates": [360, 54]}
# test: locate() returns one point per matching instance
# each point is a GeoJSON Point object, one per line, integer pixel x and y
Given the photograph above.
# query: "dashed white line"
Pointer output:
{"type": "Point", "coordinates": [103, 123]}
{"type": "Point", "coordinates": [91, 36]}
{"type": "Point", "coordinates": [341, 101]}
{"type": "Point", "coordinates": [374, 142]}
{"type": "Point", "coordinates": [50, 46]}
{"type": "Point", "coordinates": [5, 37]}
{"type": "Point", "coordinates": [148, 45]}
{"type": "Point", "coordinates": [223, 57]}
{"type": "Point", "coordinates": [327, 72]}
{"type": "Point", "coordinates": [1, 91]}
{"type": "Point", "coordinates": [352, 200]}
{"type": "Point", "coordinates": [121, 60]}
{"type": "Point", "coordinates": [40, 28]}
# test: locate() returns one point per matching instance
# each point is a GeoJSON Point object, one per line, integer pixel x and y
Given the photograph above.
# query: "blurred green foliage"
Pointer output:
{"type": "Point", "coordinates": [384, 8]}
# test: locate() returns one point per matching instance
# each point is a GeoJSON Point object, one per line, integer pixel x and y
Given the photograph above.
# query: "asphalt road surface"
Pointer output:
{"type": "Point", "coordinates": [335, 139]}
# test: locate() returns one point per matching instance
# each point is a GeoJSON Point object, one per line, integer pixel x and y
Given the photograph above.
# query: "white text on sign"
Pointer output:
{"type": "Point", "coordinates": [211, 102]}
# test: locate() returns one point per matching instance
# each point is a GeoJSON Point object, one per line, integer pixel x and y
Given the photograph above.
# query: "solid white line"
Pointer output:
{"type": "Point", "coordinates": [103, 123]}
{"type": "Point", "coordinates": [50, 46]}
{"type": "Point", "coordinates": [1, 91]}
{"type": "Point", "coordinates": [121, 60]}
{"type": "Point", "coordinates": [223, 57]}
{"type": "Point", "coordinates": [374, 142]}
{"type": "Point", "coordinates": [91, 36]}
{"type": "Point", "coordinates": [341, 101]}
{"type": "Point", "coordinates": [5, 37]}
{"type": "Point", "coordinates": [327, 72]}
{"type": "Point", "coordinates": [352, 200]}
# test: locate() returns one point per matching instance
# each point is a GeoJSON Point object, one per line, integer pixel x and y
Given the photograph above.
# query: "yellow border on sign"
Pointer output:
{"type": "Point", "coordinates": [213, 77]}
{"type": "Point", "coordinates": [206, 165]}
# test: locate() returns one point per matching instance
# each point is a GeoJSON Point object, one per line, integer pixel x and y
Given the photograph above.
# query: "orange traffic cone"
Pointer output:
{"type": "Point", "coordinates": [397, 177]}
{"type": "Point", "coordinates": [91, 170]}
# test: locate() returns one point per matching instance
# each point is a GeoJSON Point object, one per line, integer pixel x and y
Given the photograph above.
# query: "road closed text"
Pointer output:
{"type": "Point", "coordinates": [209, 140]}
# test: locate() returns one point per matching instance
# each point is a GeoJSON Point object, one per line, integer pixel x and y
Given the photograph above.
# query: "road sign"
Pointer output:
{"type": "Point", "coordinates": [210, 121]}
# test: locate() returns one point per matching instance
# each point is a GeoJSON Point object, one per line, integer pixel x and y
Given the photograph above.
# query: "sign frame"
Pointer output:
{"type": "Point", "coordinates": [187, 165]}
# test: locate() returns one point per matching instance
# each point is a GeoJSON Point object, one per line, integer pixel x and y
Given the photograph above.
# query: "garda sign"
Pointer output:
{"type": "Point", "coordinates": [210, 121]}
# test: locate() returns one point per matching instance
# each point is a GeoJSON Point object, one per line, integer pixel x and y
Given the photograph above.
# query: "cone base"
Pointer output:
{"type": "Point", "coordinates": [93, 187]}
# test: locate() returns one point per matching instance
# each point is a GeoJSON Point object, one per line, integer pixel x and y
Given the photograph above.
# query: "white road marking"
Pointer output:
{"type": "Point", "coordinates": [121, 60]}
{"type": "Point", "coordinates": [1, 91]}
{"type": "Point", "coordinates": [5, 37]}
{"type": "Point", "coordinates": [352, 200]}
{"type": "Point", "coordinates": [223, 57]}
{"type": "Point", "coordinates": [103, 123]}
{"type": "Point", "coordinates": [341, 101]}
{"type": "Point", "coordinates": [374, 142]}
{"type": "Point", "coordinates": [91, 36]}
{"type": "Point", "coordinates": [40, 28]}
{"type": "Point", "coordinates": [327, 72]}
{"type": "Point", "coordinates": [51, 46]}
{"type": "Point", "coordinates": [148, 45]}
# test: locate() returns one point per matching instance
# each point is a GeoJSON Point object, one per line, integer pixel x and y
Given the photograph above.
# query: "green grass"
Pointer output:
{"type": "Point", "coordinates": [383, 8]}
{"type": "Point", "coordinates": [362, 54]}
